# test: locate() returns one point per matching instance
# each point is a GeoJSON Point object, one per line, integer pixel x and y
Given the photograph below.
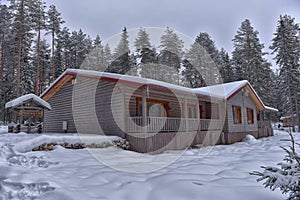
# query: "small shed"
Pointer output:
{"type": "Point", "coordinates": [289, 121]}
{"type": "Point", "coordinates": [28, 106]}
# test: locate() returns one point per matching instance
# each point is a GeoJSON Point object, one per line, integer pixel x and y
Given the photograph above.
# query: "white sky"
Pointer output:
{"type": "Point", "coordinates": [219, 18]}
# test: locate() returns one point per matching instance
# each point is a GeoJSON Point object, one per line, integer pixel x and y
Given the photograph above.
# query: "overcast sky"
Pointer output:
{"type": "Point", "coordinates": [220, 18]}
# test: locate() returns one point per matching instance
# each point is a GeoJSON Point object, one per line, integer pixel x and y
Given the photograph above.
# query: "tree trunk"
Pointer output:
{"type": "Point", "coordinates": [53, 55]}
{"type": "Point", "coordinates": [21, 21]}
{"type": "Point", "coordinates": [291, 103]}
{"type": "Point", "coordinates": [43, 78]}
{"type": "Point", "coordinates": [37, 78]}
{"type": "Point", "coordinates": [2, 64]}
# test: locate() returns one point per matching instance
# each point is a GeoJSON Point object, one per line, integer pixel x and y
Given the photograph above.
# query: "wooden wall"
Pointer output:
{"type": "Point", "coordinates": [174, 101]}
{"type": "Point", "coordinates": [61, 104]}
{"type": "Point", "coordinates": [244, 102]}
{"type": "Point", "coordinates": [95, 106]}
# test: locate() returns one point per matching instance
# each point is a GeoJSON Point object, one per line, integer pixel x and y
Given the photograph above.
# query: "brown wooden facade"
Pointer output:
{"type": "Point", "coordinates": [152, 117]}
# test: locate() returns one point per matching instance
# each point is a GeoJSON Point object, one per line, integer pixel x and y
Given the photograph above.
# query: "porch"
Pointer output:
{"type": "Point", "coordinates": [170, 124]}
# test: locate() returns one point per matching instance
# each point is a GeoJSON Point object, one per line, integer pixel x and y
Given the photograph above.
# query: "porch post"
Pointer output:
{"type": "Point", "coordinates": [197, 110]}
{"type": "Point", "coordinates": [29, 123]}
{"type": "Point", "coordinates": [144, 111]}
{"type": "Point", "coordinates": [186, 115]}
{"type": "Point", "coordinates": [198, 114]}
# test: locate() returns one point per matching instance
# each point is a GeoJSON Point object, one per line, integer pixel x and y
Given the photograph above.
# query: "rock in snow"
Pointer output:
{"type": "Point", "coordinates": [250, 139]}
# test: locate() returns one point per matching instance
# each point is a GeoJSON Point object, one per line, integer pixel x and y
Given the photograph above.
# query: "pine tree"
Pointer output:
{"type": "Point", "coordinates": [170, 57]}
{"type": "Point", "coordinates": [19, 8]}
{"type": "Point", "coordinates": [205, 40]}
{"type": "Point", "coordinates": [121, 63]}
{"type": "Point", "coordinates": [54, 22]}
{"type": "Point", "coordinates": [192, 75]}
{"type": "Point", "coordinates": [45, 64]}
{"type": "Point", "coordinates": [107, 55]}
{"type": "Point", "coordinates": [287, 177]}
{"type": "Point", "coordinates": [285, 46]}
{"type": "Point", "coordinates": [146, 55]}
{"type": "Point", "coordinates": [170, 49]}
{"type": "Point", "coordinates": [142, 41]}
{"type": "Point", "coordinates": [225, 67]}
{"type": "Point", "coordinates": [39, 23]}
{"type": "Point", "coordinates": [6, 58]}
{"type": "Point", "coordinates": [22, 29]}
{"type": "Point", "coordinates": [277, 95]}
{"type": "Point", "coordinates": [80, 46]}
{"type": "Point", "coordinates": [5, 22]}
{"type": "Point", "coordinates": [200, 68]}
{"type": "Point", "coordinates": [63, 51]}
{"type": "Point", "coordinates": [249, 62]}
{"type": "Point", "coordinates": [95, 59]}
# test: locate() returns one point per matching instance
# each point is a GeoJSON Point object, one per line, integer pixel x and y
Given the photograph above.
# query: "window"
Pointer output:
{"type": "Point", "coordinates": [192, 111]}
{"type": "Point", "coordinates": [250, 116]}
{"type": "Point", "coordinates": [155, 108]}
{"type": "Point", "coordinates": [212, 110]}
{"type": "Point", "coordinates": [201, 110]}
{"type": "Point", "coordinates": [237, 114]}
{"type": "Point", "coordinates": [258, 116]}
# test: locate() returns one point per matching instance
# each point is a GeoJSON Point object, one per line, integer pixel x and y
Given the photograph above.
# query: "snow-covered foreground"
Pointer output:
{"type": "Point", "coordinates": [77, 174]}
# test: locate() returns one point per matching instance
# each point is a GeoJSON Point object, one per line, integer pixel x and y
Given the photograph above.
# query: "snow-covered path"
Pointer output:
{"type": "Point", "coordinates": [76, 174]}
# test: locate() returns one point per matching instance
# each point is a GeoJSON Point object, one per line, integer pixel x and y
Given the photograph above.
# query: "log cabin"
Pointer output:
{"type": "Point", "coordinates": [152, 115]}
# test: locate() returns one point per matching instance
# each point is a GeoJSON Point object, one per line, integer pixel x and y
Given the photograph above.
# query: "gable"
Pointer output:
{"type": "Point", "coordinates": [249, 92]}
{"type": "Point", "coordinates": [56, 86]}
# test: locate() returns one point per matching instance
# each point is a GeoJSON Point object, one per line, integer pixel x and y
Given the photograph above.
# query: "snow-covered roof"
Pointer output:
{"type": "Point", "coordinates": [22, 99]}
{"type": "Point", "coordinates": [271, 108]}
{"type": "Point", "coordinates": [227, 90]}
{"type": "Point", "coordinates": [287, 117]}
{"type": "Point", "coordinates": [126, 78]}
{"type": "Point", "coordinates": [222, 90]}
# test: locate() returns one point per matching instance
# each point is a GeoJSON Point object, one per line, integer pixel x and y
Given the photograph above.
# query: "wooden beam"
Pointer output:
{"type": "Point", "coordinates": [254, 98]}
{"type": "Point", "coordinates": [57, 87]}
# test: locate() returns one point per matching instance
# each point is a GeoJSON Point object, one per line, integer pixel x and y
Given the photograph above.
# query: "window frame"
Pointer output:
{"type": "Point", "coordinates": [191, 107]}
{"type": "Point", "coordinates": [250, 113]}
{"type": "Point", "coordinates": [164, 104]}
{"type": "Point", "coordinates": [237, 114]}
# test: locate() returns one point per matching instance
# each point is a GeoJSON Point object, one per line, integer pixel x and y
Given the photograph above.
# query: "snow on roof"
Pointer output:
{"type": "Point", "coordinates": [222, 90]}
{"type": "Point", "coordinates": [128, 78]}
{"type": "Point", "coordinates": [271, 108]}
{"type": "Point", "coordinates": [22, 99]}
{"type": "Point", "coordinates": [287, 117]}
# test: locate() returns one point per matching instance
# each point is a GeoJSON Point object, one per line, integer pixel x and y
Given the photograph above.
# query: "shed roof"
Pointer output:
{"type": "Point", "coordinates": [25, 98]}
{"type": "Point", "coordinates": [288, 117]}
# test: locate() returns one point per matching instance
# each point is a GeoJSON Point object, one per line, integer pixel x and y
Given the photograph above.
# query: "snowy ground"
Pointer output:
{"type": "Point", "coordinates": [77, 174]}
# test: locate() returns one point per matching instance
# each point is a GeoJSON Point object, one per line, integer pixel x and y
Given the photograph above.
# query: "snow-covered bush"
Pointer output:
{"type": "Point", "coordinates": [287, 176]}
